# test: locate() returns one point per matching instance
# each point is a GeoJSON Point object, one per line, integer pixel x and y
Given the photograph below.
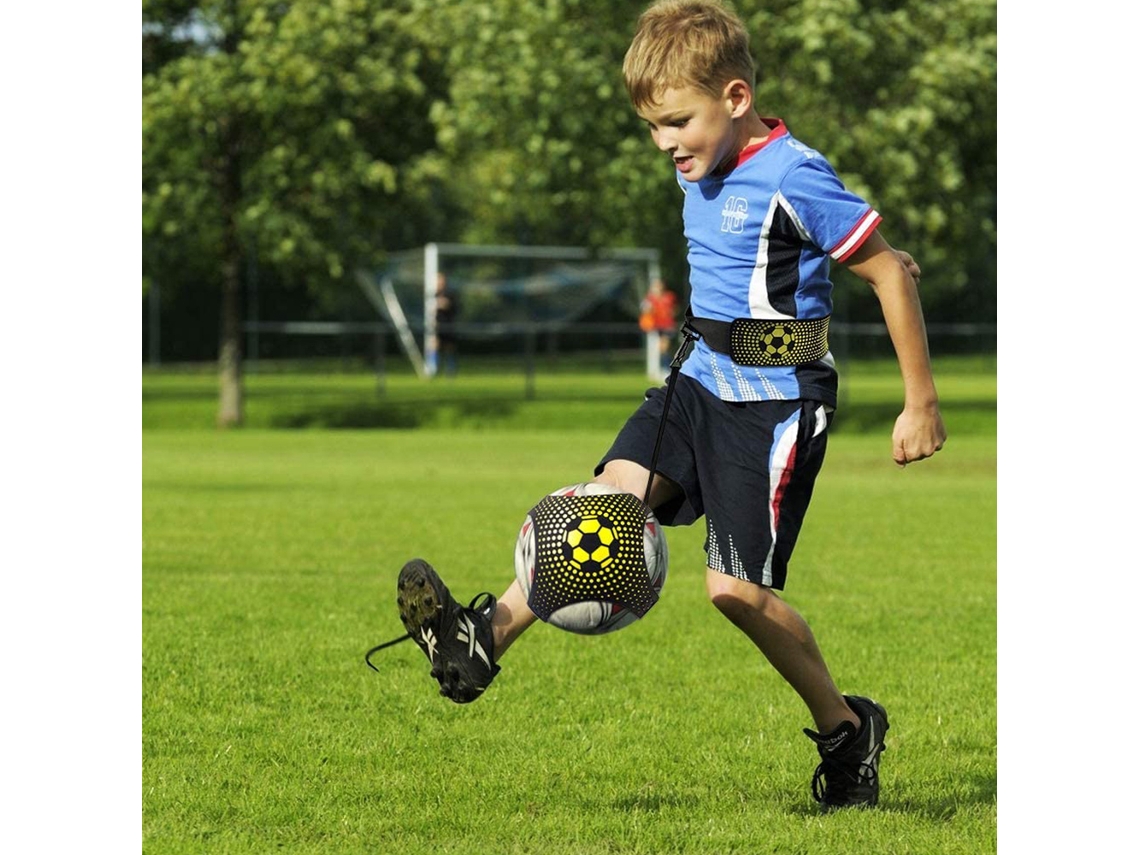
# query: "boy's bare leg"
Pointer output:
{"type": "Point", "coordinates": [511, 619]}
{"type": "Point", "coordinates": [773, 626]}
{"type": "Point", "coordinates": [785, 640]}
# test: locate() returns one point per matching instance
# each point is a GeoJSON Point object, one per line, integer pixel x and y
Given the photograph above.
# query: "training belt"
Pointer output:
{"type": "Point", "coordinates": [765, 343]}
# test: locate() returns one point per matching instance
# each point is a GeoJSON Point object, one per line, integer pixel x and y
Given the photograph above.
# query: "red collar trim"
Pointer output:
{"type": "Point", "coordinates": [779, 129]}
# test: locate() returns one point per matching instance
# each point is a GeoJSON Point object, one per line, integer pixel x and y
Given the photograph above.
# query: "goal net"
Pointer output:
{"type": "Point", "coordinates": [499, 294]}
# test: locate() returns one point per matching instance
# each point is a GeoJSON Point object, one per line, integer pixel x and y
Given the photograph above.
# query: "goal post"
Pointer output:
{"type": "Point", "coordinates": [500, 291]}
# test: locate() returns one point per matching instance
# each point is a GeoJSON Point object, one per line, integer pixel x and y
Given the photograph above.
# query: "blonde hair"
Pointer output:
{"type": "Point", "coordinates": [679, 43]}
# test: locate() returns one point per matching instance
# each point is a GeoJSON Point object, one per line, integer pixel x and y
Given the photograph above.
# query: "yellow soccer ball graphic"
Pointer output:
{"type": "Point", "coordinates": [589, 541]}
{"type": "Point", "coordinates": [778, 342]}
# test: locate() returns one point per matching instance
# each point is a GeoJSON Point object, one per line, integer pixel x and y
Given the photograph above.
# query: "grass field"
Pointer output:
{"type": "Point", "coordinates": [269, 563]}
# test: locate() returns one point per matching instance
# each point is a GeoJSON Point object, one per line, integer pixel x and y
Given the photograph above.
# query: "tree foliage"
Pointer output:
{"type": "Point", "coordinates": [901, 96]}
{"type": "Point", "coordinates": [315, 135]}
{"type": "Point", "coordinates": [284, 132]}
{"type": "Point", "coordinates": [324, 106]}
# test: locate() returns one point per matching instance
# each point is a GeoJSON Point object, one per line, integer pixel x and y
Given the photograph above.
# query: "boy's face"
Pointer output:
{"type": "Point", "coordinates": [695, 129]}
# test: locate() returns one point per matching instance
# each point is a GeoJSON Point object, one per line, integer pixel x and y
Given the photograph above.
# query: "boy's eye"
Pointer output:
{"type": "Point", "coordinates": [673, 123]}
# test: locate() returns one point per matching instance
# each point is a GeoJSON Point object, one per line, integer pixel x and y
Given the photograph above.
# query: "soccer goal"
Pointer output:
{"type": "Point", "coordinates": [435, 293]}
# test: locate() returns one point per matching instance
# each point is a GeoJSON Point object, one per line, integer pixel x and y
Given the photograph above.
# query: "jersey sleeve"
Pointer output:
{"type": "Point", "coordinates": [831, 216]}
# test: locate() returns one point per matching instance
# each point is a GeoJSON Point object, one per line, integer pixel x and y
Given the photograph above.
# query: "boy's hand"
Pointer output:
{"type": "Point", "coordinates": [918, 434]}
{"type": "Point", "coordinates": [910, 264]}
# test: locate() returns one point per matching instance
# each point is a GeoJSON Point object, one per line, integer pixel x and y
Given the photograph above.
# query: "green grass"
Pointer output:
{"type": "Point", "coordinates": [269, 561]}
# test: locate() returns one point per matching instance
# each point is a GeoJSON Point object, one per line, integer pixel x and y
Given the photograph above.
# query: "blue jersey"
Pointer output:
{"type": "Point", "coordinates": [760, 242]}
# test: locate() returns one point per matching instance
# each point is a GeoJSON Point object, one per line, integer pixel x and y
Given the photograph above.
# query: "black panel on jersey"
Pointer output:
{"type": "Point", "coordinates": [783, 273]}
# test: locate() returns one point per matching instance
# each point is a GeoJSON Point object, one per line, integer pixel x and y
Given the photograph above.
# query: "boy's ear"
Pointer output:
{"type": "Point", "coordinates": [738, 98]}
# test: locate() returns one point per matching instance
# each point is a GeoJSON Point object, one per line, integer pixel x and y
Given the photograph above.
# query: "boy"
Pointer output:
{"type": "Point", "coordinates": [746, 432]}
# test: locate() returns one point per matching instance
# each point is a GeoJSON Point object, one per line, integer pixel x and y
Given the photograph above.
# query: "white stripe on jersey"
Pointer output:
{"type": "Point", "coordinates": [758, 304]}
{"type": "Point", "coordinates": [857, 235]}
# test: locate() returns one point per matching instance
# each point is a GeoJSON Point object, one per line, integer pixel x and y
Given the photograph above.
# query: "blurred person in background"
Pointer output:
{"type": "Point", "coordinates": [446, 311]}
{"type": "Point", "coordinates": [659, 320]}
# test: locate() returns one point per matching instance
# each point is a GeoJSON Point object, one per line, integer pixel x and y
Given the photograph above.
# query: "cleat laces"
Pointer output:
{"type": "Point", "coordinates": [832, 779]}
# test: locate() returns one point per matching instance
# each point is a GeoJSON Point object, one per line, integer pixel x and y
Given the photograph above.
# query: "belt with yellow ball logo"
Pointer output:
{"type": "Point", "coordinates": [766, 343]}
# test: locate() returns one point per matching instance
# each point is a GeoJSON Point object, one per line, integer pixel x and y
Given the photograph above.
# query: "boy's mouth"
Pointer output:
{"type": "Point", "coordinates": [683, 164]}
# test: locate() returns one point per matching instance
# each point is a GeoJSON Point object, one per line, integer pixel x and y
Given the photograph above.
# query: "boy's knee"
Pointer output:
{"type": "Point", "coordinates": [630, 477]}
{"type": "Point", "coordinates": [624, 475]}
{"type": "Point", "coordinates": [731, 595]}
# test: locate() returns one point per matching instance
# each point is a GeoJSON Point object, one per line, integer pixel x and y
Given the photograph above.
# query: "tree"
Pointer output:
{"type": "Point", "coordinates": [899, 94]}
{"type": "Point", "coordinates": [288, 132]}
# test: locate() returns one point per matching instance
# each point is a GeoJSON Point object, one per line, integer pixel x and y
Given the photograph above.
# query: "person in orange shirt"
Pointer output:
{"type": "Point", "coordinates": [659, 315]}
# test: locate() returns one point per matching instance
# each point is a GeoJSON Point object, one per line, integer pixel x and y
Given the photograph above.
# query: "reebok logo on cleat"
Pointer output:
{"type": "Point", "coordinates": [835, 740]}
{"type": "Point", "coordinates": [836, 743]}
{"type": "Point", "coordinates": [871, 740]}
{"type": "Point", "coordinates": [466, 633]}
{"type": "Point", "coordinates": [429, 642]}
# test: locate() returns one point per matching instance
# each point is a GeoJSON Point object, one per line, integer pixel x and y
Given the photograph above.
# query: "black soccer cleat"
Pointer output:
{"type": "Point", "coordinates": [457, 641]}
{"type": "Point", "coordinates": [848, 773]}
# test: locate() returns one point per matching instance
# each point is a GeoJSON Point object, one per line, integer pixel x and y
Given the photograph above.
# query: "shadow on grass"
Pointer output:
{"type": "Point", "coordinates": [178, 394]}
{"type": "Point", "coordinates": [398, 414]}
{"type": "Point", "coordinates": [963, 416]}
{"type": "Point", "coordinates": [982, 792]}
{"type": "Point", "coordinates": [649, 800]}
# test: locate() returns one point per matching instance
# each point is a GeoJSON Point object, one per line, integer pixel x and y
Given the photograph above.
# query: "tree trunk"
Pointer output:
{"type": "Point", "coordinates": [231, 392]}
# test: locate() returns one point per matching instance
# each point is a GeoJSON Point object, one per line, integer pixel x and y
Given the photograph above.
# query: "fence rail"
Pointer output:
{"type": "Point", "coordinates": [611, 343]}
{"type": "Point", "coordinates": [497, 330]}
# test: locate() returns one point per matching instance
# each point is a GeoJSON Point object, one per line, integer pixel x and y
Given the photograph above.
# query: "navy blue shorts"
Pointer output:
{"type": "Point", "coordinates": [748, 467]}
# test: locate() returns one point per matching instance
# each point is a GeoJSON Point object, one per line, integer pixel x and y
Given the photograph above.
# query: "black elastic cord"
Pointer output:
{"type": "Point", "coordinates": [379, 647]}
{"type": "Point", "coordinates": [691, 335]}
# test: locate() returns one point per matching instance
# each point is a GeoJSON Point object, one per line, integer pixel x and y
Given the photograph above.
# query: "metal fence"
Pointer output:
{"type": "Point", "coordinates": [534, 348]}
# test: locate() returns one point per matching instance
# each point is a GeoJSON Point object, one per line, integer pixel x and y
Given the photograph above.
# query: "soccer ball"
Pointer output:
{"type": "Point", "coordinates": [591, 559]}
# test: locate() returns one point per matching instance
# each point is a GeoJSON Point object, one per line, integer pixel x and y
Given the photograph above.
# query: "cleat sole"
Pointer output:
{"type": "Point", "coordinates": [417, 600]}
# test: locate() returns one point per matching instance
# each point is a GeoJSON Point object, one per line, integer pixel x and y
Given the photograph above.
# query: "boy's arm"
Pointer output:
{"type": "Point", "coordinates": [919, 431]}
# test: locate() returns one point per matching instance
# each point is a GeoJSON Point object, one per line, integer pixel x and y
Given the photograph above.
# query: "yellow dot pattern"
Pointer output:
{"type": "Point", "coordinates": [775, 343]}
{"type": "Point", "coordinates": [590, 548]}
